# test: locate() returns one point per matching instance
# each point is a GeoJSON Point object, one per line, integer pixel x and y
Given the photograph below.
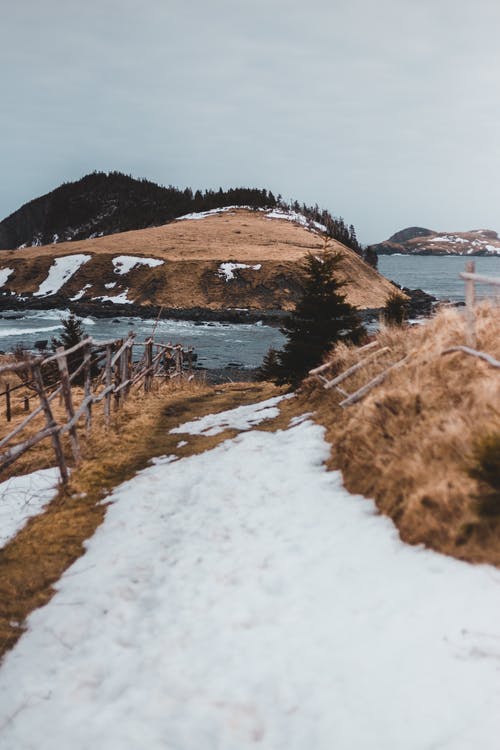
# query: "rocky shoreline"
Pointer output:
{"type": "Point", "coordinates": [420, 304]}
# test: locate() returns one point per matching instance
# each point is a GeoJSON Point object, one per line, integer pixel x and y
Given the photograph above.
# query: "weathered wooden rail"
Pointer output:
{"type": "Point", "coordinates": [108, 372]}
{"type": "Point", "coordinates": [471, 278]}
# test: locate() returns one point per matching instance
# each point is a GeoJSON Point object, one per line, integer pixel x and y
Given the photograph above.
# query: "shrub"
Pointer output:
{"type": "Point", "coordinates": [396, 309]}
{"type": "Point", "coordinates": [486, 469]}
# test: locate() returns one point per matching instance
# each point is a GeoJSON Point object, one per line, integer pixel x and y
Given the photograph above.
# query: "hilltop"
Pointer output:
{"type": "Point", "coordinates": [422, 241]}
{"type": "Point", "coordinates": [108, 203]}
{"type": "Point", "coordinates": [226, 259]}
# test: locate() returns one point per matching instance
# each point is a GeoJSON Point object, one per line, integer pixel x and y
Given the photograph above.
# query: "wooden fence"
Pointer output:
{"type": "Point", "coordinates": [471, 278]}
{"type": "Point", "coordinates": [107, 371]}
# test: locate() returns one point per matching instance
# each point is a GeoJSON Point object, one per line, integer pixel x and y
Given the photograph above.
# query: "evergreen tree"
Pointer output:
{"type": "Point", "coordinates": [73, 332]}
{"type": "Point", "coordinates": [321, 319]}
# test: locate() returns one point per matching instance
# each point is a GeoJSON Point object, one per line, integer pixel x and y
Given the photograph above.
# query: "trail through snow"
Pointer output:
{"type": "Point", "coordinates": [241, 598]}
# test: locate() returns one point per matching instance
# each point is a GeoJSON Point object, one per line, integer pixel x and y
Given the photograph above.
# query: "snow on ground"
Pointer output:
{"type": "Point", "coordinates": [226, 270]}
{"type": "Point", "coordinates": [242, 598]}
{"type": "Point", "coordinates": [214, 211]}
{"type": "Point", "coordinates": [4, 275]}
{"type": "Point", "coordinates": [296, 217]}
{"type": "Point", "coordinates": [241, 418]}
{"type": "Point", "coordinates": [121, 298]}
{"type": "Point", "coordinates": [60, 272]}
{"type": "Point", "coordinates": [23, 497]}
{"type": "Point", "coordinates": [80, 294]}
{"type": "Point", "coordinates": [125, 263]}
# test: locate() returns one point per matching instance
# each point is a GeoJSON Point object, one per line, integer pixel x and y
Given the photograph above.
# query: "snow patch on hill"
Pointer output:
{"type": "Point", "coordinates": [4, 275]}
{"type": "Point", "coordinates": [226, 270]}
{"type": "Point", "coordinates": [123, 264]}
{"type": "Point", "coordinates": [60, 272]}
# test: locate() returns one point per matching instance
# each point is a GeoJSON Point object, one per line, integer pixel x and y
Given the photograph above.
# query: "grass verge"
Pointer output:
{"type": "Point", "coordinates": [410, 443]}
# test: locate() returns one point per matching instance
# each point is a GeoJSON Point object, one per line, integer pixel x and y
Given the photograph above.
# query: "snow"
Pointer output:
{"type": "Point", "coordinates": [214, 211]}
{"type": "Point", "coordinates": [242, 598]}
{"type": "Point", "coordinates": [80, 294]}
{"type": "Point", "coordinates": [226, 270]}
{"type": "Point", "coordinates": [125, 263]}
{"type": "Point", "coordinates": [60, 272]}
{"type": "Point", "coordinates": [241, 418]}
{"type": "Point", "coordinates": [4, 275]}
{"type": "Point", "coordinates": [23, 497]}
{"type": "Point", "coordinates": [120, 299]}
{"type": "Point", "coordinates": [295, 217]}
{"type": "Point", "coordinates": [110, 285]}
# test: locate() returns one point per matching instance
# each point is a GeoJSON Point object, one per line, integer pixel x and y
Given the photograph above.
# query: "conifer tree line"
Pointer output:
{"type": "Point", "coordinates": [108, 203]}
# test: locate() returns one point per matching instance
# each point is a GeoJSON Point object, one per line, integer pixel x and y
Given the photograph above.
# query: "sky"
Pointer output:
{"type": "Point", "coordinates": [386, 113]}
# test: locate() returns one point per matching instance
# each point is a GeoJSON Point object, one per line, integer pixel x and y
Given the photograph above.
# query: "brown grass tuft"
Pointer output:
{"type": "Point", "coordinates": [409, 443]}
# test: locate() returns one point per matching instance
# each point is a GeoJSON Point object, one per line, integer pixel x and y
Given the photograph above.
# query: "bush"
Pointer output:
{"type": "Point", "coordinates": [395, 310]}
{"type": "Point", "coordinates": [486, 470]}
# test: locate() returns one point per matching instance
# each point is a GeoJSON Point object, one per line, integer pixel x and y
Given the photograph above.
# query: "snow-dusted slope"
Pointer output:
{"type": "Point", "coordinates": [242, 598]}
{"type": "Point", "coordinates": [60, 272]}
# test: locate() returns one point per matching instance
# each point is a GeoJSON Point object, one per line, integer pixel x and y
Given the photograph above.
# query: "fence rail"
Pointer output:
{"type": "Point", "coordinates": [101, 383]}
{"type": "Point", "coordinates": [471, 278]}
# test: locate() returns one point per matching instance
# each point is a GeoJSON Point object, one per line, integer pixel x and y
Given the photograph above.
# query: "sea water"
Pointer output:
{"type": "Point", "coordinates": [438, 274]}
{"type": "Point", "coordinates": [217, 345]}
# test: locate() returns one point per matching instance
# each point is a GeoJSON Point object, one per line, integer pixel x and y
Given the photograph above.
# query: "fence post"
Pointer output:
{"type": "Point", "coordinates": [87, 384]}
{"type": "Point", "coordinates": [149, 364]}
{"type": "Point", "coordinates": [8, 411]}
{"type": "Point", "coordinates": [107, 382]}
{"type": "Point", "coordinates": [470, 299]}
{"type": "Point", "coordinates": [51, 423]}
{"type": "Point", "coordinates": [118, 376]}
{"type": "Point", "coordinates": [68, 400]}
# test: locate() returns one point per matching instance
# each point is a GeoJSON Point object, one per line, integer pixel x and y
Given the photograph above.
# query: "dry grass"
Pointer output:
{"type": "Point", "coordinates": [409, 443]}
{"type": "Point", "coordinates": [192, 251]}
{"type": "Point", "coordinates": [38, 555]}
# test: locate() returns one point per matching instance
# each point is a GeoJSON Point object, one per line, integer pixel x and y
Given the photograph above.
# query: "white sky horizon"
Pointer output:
{"type": "Point", "coordinates": [385, 114]}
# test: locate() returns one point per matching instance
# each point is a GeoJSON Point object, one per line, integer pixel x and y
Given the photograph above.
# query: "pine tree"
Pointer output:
{"type": "Point", "coordinates": [321, 319]}
{"type": "Point", "coordinates": [73, 332]}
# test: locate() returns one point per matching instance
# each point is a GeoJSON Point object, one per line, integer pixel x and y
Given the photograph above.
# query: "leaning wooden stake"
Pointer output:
{"type": "Point", "coordinates": [87, 384]}
{"type": "Point", "coordinates": [68, 401]}
{"type": "Point", "coordinates": [470, 299]}
{"type": "Point", "coordinates": [8, 411]}
{"type": "Point", "coordinates": [148, 379]}
{"type": "Point", "coordinates": [356, 367]}
{"type": "Point", "coordinates": [361, 392]}
{"type": "Point", "coordinates": [107, 383]}
{"type": "Point", "coordinates": [51, 422]}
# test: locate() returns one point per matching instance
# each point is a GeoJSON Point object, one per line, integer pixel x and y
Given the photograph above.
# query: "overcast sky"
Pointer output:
{"type": "Point", "coordinates": [386, 112]}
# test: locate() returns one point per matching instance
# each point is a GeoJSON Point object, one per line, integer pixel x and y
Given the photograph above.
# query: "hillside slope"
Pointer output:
{"type": "Point", "coordinates": [233, 258]}
{"type": "Point", "coordinates": [421, 241]}
{"type": "Point", "coordinates": [102, 203]}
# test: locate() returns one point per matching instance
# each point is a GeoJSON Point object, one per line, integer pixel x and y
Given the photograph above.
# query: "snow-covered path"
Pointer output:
{"type": "Point", "coordinates": [242, 598]}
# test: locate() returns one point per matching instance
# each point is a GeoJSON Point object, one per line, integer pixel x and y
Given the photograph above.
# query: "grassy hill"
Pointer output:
{"type": "Point", "coordinates": [193, 270]}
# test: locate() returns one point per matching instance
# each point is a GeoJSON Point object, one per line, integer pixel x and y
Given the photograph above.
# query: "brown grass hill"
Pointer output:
{"type": "Point", "coordinates": [228, 259]}
{"type": "Point", "coordinates": [421, 241]}
{"type": "Point", "coordinates": [414, 441]}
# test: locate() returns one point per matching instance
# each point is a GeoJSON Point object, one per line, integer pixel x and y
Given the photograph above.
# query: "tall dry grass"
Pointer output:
{"type": "Point", "coordinates": [410, 443]}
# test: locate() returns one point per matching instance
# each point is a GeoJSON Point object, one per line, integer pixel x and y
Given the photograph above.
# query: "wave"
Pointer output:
{"type": "Point", "coordinates": [26, 331]}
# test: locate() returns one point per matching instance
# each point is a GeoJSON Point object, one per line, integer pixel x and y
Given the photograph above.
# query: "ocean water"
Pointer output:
{"type": "Point", "coordinates": [216, 344]}
{"type": "Point", "coordinates": [438, 275]}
